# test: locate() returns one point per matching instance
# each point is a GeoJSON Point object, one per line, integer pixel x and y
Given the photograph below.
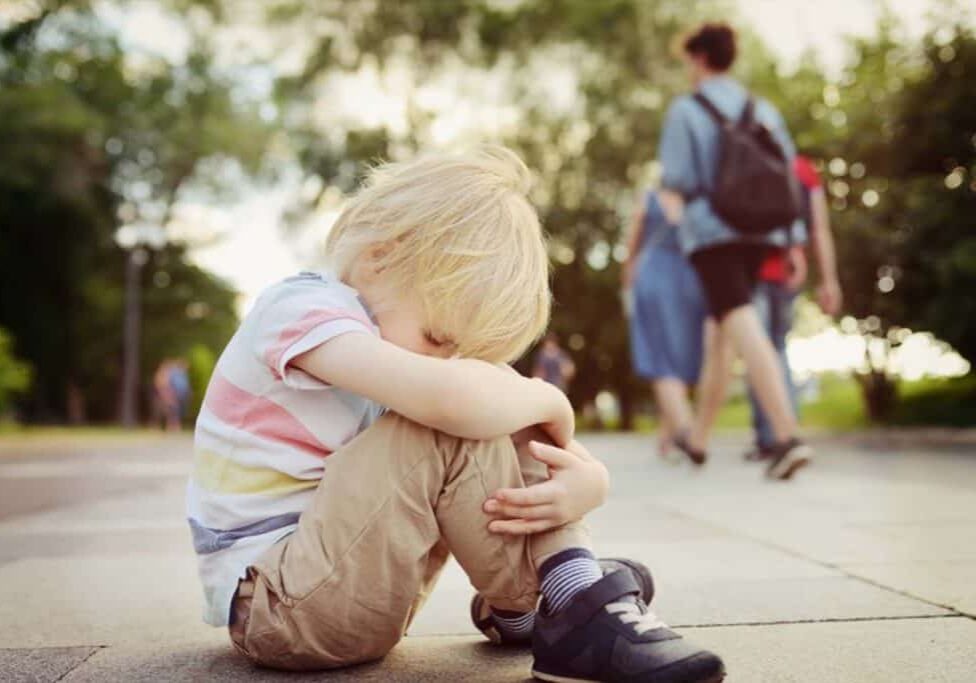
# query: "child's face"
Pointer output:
{"type": "Point", "coordinates": [402, 322]}
{"type": "Point", "coordinates": [399, 314]}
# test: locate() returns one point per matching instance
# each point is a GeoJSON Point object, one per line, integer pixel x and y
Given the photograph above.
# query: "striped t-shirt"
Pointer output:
{"type": "Point", "coordinates": [266, 429]}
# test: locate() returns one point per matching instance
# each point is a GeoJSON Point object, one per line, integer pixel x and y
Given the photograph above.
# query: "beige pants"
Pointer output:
{"type": "Point", "coordinates": [391, 507]}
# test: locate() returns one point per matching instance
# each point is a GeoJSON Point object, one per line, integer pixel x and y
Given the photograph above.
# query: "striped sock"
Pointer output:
{"type": "Point", "coordinates": [513, 624]}
{"type": "Point", "coordinates": [565, 574]}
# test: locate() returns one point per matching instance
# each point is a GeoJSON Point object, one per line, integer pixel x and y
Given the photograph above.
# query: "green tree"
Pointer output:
{"type": "Point", "coordinates": [15, 375]}
{"type": "Point", "coordinates": [201, 361]}
{"type": "Point", "coordinates": [94, 140]}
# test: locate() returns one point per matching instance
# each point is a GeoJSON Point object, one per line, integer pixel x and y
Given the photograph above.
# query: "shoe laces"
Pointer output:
{"type": "Point", "coordinates": [631, 613]}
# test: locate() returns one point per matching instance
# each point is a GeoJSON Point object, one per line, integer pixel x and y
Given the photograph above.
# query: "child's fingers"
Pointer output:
{"type": "Point", "coordinates": [520, 527]}
{"type": "Point", "coordinates": [530, 495]}
{"type": "Point", "coordinates": [551, 455]}
{"type": "Point", "coordinates": [505, 510]}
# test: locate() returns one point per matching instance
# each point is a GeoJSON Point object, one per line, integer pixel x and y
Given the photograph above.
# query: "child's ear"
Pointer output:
{"type": "Point", "coordinates": [375, 256]}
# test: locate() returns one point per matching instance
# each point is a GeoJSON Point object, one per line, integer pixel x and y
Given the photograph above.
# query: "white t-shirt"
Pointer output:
{"type": "Point", "coordinates": [266, 429]}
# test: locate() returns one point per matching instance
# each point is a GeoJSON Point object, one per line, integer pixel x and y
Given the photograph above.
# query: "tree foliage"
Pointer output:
{"type": "Point", "coordinates": [92, 139]}
{"type": "Point", "coordinates": [15, 374]}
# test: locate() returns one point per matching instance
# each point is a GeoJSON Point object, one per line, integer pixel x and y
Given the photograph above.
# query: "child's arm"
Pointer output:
{"type": "Point", "coordinates": [467, 398]}
{"type": "Point", "coordinates": [577, 484]}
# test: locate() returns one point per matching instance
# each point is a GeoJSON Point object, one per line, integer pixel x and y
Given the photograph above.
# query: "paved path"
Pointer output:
{"type": "Point", "coordinates": [864, 569]}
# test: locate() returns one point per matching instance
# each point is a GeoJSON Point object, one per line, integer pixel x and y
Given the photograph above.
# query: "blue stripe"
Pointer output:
{"type": "Point", "coordinates": [207, 540]}
{"type": "Point", "coordinates": [563, 581]}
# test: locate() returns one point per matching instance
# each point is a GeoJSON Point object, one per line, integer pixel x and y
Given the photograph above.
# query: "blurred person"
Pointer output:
{"type": "Point", "coordinates": [179, 382]}
{"type": "Point", "coordinates": [321, 523]}
{"type": "Point", "coordinates": [553, 364]}
{"type": "Point", "coordinates": [698, 131]}
{"type": "Point", "coordinates": [165, 398]}
{"type": "Point", "coordinates": [667, 315]}
{"type": "Point", "coordinates": [781, 276]}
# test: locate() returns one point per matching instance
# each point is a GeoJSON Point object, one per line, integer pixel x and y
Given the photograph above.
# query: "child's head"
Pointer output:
{"type": "Point", "coordinates": [449, 245]}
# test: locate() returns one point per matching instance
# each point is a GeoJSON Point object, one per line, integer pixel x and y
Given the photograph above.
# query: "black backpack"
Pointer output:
{"type": "Point", "coordinates": [756, 190]}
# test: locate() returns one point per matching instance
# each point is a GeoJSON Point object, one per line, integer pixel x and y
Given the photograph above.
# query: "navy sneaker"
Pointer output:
{"type": "Point", "coordinates": [608, 634]}
{"type": "Point", "coordinates": [483, 620]}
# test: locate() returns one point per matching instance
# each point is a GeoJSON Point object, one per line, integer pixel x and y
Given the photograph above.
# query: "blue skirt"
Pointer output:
{"type": "Point", "coordinates": [666, 325]}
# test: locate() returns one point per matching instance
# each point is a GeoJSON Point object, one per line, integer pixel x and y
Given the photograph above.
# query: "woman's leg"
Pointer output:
{"type": "Point", "coordinates": [674, 408]}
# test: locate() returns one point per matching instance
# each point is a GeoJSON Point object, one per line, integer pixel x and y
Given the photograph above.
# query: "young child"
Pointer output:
{"type": "Point", "coordinates": [357, 431]}
{"type": "Point", "coordinates": [553, 364]}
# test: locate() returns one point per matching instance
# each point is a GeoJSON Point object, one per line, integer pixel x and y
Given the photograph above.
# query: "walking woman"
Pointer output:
{"type": "Point", "coordinates": [667, 317]}
{"type": "Point", "coordinates": [727, 259]}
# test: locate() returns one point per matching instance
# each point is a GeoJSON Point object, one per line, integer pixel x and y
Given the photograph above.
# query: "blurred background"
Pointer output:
{"type": "Point", "coordinates": [161, 161]}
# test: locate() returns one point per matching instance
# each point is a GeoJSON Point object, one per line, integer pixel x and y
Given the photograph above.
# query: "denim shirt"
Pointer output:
{"type": "Point", "coordinates": [689, 152]}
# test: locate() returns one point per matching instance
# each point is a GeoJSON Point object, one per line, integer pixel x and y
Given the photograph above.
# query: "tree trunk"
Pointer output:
{"type": "Point", "coordinates": [132, 325]}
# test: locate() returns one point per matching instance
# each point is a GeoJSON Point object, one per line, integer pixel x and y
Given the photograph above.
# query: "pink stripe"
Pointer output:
{"type": "Point", "coordinates": [298, 329]}
{"type": "Point", "coordinates": [259, 416]}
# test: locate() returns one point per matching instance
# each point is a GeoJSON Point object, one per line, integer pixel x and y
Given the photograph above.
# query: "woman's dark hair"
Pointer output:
{"type": "Point", "coordinates": [715, 42]}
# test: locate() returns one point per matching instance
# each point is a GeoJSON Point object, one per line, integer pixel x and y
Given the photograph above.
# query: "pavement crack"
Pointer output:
{"type": "Point", "coordinates": [94, 650]}
{"type": "Point", "coordinates": [830, 620]}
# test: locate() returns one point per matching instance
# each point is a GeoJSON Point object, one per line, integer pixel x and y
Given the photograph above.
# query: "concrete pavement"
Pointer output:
{"type": "Point", "coordinates": [861, 570]}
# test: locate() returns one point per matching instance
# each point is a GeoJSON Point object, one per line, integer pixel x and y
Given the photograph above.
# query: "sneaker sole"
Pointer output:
{"type": "Point", "coordinates": [542, 676]}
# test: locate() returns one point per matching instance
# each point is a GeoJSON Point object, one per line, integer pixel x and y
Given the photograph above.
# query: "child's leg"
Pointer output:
{"type": "Point", "coordinates": [344, 587]}
{"type": "Point", "coordinates": [549, 551]}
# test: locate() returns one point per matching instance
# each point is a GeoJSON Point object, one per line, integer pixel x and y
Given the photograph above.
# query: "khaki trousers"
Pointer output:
{"type": "Point", "coordinates": [392, 505]}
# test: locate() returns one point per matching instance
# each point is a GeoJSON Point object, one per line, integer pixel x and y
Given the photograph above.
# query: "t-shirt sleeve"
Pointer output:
{"type": "Point", "coordinates": [298, 315]}
{"type": "Point", "coordinates": [676, 151]}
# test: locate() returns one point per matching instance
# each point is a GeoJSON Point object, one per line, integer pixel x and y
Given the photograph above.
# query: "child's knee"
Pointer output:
{"type": "Point", "coordinates": [490, 455]}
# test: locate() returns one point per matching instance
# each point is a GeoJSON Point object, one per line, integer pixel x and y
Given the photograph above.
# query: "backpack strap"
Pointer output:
{"type": "Point", "coordinates": [748, 112]}
{"type": "Point", "coordinates": [712, 110]}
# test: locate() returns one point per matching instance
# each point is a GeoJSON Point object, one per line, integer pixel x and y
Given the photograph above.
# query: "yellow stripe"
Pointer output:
{"type": "Point", "coordinates": [219, 474]}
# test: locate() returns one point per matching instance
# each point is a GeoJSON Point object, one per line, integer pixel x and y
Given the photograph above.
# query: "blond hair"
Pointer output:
{"type": "Point", "coordinates": [458, 231]}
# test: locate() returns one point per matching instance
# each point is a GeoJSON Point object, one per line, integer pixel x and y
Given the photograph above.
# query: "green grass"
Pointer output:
{"type": "Point", "coordinates": [838, 407]}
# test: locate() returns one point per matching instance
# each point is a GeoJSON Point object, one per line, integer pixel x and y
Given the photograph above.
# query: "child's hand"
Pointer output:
{"type": "Point", "coordinates": [577, 483]}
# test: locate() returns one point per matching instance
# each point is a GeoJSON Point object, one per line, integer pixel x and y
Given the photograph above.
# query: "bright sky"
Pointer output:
{"type": "Point", "coordinates": [255, 252]}
{"type": "Point", "coordinates": [790, 27]}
